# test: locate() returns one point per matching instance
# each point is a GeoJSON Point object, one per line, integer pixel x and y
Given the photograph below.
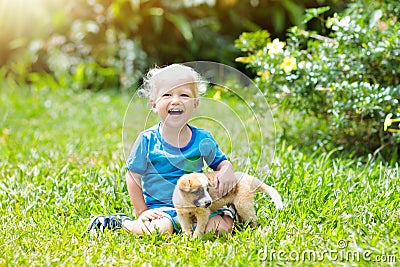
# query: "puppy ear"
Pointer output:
{"type": "Point", "coordinates": [185, 189]}
{"type": "Point", "coordinates": [184, 185]}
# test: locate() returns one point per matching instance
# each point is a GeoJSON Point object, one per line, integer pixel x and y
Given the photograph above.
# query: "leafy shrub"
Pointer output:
{"type": "Point", "coordinates": [349, 77]}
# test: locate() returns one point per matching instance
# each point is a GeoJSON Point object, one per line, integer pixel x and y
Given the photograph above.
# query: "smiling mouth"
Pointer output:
{"type": "Point", "coordinates": [175, 111]}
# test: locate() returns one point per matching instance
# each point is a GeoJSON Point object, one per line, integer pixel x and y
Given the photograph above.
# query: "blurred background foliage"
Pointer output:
{"type": "Point", "coordinates": [347, 78]}
{"type": "Point", "coordinates": [95, 44]}
{"type": "Point", "coordinates": [331, 67]}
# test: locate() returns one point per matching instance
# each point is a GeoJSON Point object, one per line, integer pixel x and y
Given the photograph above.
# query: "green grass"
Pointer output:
{"type": "Point", "coordinates": [62, 162]}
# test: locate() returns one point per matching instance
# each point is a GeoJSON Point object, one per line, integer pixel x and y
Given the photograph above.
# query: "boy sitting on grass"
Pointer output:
{"type": "Point", "coordinates": [166, 151]}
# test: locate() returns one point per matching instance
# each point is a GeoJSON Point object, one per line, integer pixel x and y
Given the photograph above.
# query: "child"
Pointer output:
{"type": "Point", "coordinates": [166, 151]}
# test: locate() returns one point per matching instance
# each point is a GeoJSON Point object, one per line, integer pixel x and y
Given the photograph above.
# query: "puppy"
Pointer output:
{"type": "Point", "coordinates": [195, 196]}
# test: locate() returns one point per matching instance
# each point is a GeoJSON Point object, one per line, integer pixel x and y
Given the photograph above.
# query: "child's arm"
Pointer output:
{"type": "Point", "coordinates": [225, 178]}
{"type": "Point", "coordinates": [133, 182]}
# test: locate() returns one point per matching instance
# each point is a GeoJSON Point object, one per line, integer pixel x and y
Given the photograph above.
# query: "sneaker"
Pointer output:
{"type": "Point", "coordinates": [111, 222]}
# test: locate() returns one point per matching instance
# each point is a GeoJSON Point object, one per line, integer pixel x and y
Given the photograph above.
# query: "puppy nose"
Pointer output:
{"type": "Point", "coordinates": [207, 203]}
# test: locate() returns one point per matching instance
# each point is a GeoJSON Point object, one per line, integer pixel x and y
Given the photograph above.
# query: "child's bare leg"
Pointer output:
{"type": "Point", "coordinates": [220, 224]}
{"type": "Point", "coordinates": [140, 227]}
{"type": "Point", "coordinates": [163, 225]}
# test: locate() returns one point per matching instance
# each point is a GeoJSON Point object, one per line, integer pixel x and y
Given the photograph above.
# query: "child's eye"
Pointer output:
{"type": "Point", "coordinates": [166, 95]}
{"type": "Point", "coordinates": [185, 95]}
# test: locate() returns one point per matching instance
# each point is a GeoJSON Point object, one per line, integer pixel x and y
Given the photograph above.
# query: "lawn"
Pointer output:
{"type": "Point", "coordinates": [62, 161]}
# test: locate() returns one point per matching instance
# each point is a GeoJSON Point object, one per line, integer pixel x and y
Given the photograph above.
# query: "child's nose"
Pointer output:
{"type": "Point", "coordinates": [175, 98]}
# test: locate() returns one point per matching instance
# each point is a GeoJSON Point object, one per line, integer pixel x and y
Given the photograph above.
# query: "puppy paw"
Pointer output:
{"type": "Point", "coordinates": [187, 233]}
{"type": "Point", "coordinates": [278, 204]}
{"type": "Point", "coordinates": [197, 234]}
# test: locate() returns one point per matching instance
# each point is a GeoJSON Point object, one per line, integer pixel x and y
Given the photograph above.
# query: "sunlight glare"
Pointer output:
{"type": "Point", "coordinates": [20, 16]}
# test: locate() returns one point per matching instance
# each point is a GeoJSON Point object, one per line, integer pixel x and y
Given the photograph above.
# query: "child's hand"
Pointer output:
{"type": "Point", "coordinates": [152, 214]}
{"type": "Point", "coordinates": [225, 179]}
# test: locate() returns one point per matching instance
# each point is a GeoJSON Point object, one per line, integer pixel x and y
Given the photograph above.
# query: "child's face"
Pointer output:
{"type": "Point", "coordinates": [175, 106]}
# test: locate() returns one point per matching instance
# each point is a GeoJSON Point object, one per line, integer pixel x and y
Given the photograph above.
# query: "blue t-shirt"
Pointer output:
{"type": "Point", "coordinates": [161, 164]}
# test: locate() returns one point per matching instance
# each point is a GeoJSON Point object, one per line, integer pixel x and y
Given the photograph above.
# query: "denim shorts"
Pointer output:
{"type": "Point", "coordinates": [172, 215]}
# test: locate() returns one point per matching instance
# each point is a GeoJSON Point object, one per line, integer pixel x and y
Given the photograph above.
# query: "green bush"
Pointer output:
{"type": "Point", "coordinates": [348, 76]}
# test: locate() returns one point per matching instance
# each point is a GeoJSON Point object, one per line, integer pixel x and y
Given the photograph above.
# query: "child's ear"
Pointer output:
{"type": "Point", "coordinates": [153, 105]}
{"type": "Point", "coordinates": [196, 102]}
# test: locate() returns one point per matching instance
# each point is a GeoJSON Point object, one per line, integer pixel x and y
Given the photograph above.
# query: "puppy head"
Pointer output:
{"type": "Point", "coordinates": [193, 188]}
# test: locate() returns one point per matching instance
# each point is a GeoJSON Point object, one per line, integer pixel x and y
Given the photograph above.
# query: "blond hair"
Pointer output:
{"type": "Point", "coordinates": [150, 89]}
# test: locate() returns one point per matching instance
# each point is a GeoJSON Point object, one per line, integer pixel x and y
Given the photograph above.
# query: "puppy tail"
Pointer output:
{"type": "Point", "coordinates": [276, 198]}
{"type": "Point", "coordinates": [257, 184]}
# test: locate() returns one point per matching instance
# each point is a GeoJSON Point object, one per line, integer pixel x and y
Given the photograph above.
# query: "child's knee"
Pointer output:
{"type": "Point", "coordinates": [220, 224]}
{"type": "Point", "coordinates": [162, 226]}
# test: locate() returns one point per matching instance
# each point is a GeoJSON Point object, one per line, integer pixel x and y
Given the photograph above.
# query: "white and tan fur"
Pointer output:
{"type": "Point", "coordinates": [195, 196]}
